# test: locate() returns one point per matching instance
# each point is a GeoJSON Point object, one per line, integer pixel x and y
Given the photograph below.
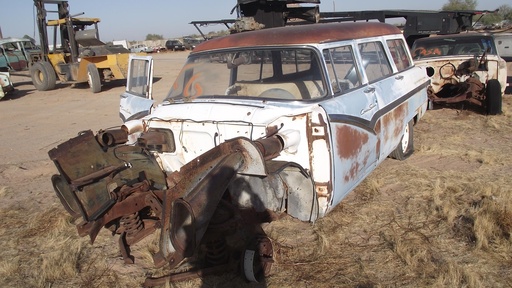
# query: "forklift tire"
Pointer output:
{"type": "Point", "coordinates": [493, 97]}
{"type": "Point", "coordinates": [43, 76]}
{"type": "Point", "coordinates": [93, 78]}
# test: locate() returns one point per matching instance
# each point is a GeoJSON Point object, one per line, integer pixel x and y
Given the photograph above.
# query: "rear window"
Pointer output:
{"type": "Point", "coordinates": [399, 54]}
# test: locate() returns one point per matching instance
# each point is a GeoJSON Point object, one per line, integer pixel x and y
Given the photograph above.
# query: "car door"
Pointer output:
{"type": "Point", "coordinates": [14, 56]}
{"type": "Point", "coordinates": [136, 101]}
{"type": "Point", "coordinates": [390, 87]}
{"type": "Point", "coordinates": [351, 113]}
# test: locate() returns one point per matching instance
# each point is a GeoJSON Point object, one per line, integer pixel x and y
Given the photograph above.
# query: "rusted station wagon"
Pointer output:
{"type": "Point", "coordinates": [465, 68]}
{"type": "Point", "coordinates": [281, 121]}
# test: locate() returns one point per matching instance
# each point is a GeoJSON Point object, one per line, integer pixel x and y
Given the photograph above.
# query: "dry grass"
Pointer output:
{"type": "Point", "coordinates": [3, 191]}
{"type": "Point", "coordinates": [443, 218]}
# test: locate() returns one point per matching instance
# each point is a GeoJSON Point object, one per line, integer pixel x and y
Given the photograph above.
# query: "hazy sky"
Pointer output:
{"type": "Point", "coordinates": [133, 20]}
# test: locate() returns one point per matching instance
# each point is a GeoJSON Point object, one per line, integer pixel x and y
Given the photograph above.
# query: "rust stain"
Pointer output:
{"type": "Point", "coordinates": [366, 157]}
{"type": "Point", "coordinates": [355, 167]}
{"type": "Point", "coordinates": [378, 130]}
{"type": "Point", "coordinates": [300, 34]}
{"type": "Point", "coordinates": [378, 127]}
{"type": "Point", "coordinates": [399, 115]}
{"type": "Point", "coordinates": [349, 141]}
{"type": "Point", "coordinates": [377, 147]}
{"type": "Point", "coordinates": [395, 119]}
{"type": "Point", "coordinates": [352, 172]}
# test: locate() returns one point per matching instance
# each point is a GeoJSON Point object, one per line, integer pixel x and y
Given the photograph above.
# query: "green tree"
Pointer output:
{"type": "Point", "coordinates": [490, 18]}
{"type": "Point", "coordinates": [505, 11]}
{"type": "Point", "coordinates": [150, 37]}
{"type": "Point", "coordinates": [460, 5]}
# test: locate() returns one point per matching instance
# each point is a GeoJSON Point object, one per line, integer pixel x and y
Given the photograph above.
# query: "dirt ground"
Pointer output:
{"type": "Point", "coordinates": [443, 218]}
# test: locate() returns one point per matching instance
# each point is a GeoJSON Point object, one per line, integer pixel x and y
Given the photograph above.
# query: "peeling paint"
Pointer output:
{"type": "Point", "coordinates": [349, 141]}
{"type": "Point", "coordinates": [396, 120]}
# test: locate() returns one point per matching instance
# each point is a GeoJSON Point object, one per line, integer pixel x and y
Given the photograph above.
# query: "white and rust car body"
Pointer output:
{"type": "Point", "coordinates": [463, 67]}
{"type": "Point", "coordinates": [276, 121]}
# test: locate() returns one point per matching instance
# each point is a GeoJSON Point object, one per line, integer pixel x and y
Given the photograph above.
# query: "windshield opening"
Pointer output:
{"type": "Point", "coordinates": [453, 46]}
{"type": "Point", "coordinates": [261, 73]}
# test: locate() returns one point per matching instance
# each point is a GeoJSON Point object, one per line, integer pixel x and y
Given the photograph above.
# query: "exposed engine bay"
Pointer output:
{"type": "Point", "coordinates": [459, 81]}
{"type": "Point", "coordinates": [464, 68]}
{"type": "Point", "coordinates": [121, 187]}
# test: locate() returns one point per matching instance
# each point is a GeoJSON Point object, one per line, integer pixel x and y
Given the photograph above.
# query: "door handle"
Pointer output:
{"type": "Point", "coordinates": [369, 90]}
{"type": "Point", "coordinates": [399, 77]}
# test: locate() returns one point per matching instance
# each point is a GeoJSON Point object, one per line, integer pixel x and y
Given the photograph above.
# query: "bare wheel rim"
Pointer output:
{"type": "Point", "coordinates": [40, 76]}
{"type": "Point", "coordinates": [405, 139]}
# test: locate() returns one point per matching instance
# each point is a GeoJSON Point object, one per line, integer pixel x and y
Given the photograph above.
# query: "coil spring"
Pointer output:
{"type": "Point", "coordinates": [216, 251]}
{"type": "Point", "coordinates": [132, 224]}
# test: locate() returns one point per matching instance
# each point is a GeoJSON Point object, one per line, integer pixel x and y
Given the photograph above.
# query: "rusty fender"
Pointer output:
{"type": "Point", "coordinates": [104, 182]}
{"type": "Point", "coordinates": [122, 188]}
{"type": "Point", "coordinates": [201, 184]}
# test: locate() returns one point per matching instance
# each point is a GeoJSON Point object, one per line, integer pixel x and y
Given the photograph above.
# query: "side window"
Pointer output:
{"type": "Point", "coordinates": [399, 54]}
{"type": "Point", "coordinates": [375, 63]}
{"type": "Point", "coordinates": [342, 69]}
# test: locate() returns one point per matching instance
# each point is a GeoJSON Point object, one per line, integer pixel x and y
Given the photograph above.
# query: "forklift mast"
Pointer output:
{"type": "Point", "coordinates": [67, 38]}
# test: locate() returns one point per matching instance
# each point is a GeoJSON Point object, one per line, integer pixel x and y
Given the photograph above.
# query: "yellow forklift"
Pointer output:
{"type": "Point", "coordinates": [76, 54]}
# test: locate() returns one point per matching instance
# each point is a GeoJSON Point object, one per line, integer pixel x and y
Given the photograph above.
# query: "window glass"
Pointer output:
{"type": "Point", "coordinates": [137, 83]}
{"type": "Point", "coordinates": [29, 45]}
{"type": "Point", "coordinates": [447, 46]}
{"type": "Point", "coordinates": [254, 66]}
{"type": "Point", "coordinates": [286, 74]}
{"type": "Point", "coordinates": [375, 63]}
{"type": "Point", "coordinates": [399, 54]}
{"type": "Point", "coordinates": [342, 69]}
{"type": "Point", "coordinates": [295, 61]}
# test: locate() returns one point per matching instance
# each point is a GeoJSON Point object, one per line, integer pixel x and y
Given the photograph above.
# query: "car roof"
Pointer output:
{"type": "Point", "coordinates": [11, 40]}
{"type": "Point", "coordinates": [300, 34]}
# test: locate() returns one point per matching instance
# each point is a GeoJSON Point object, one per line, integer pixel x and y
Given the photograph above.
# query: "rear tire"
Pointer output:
{"type": "Point", "coordinates": [93, 77]}
{"type": "Point", "coordinates": [493, 97]}
{"type": "Point", "coordinates": [43, 76]}
{"type": "Point", "coordinates": [406, 146]}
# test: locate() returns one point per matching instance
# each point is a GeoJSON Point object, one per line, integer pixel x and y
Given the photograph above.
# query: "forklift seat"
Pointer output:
{"type": "Point", "coordinates": [88, 38]}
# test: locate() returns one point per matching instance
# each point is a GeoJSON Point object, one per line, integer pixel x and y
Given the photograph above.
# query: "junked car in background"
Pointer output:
{"type": "Point", "coordinates": [138, 48]}
{"type": "Point", "coordinates": [6, 84]}
{"type": "Point", "coordinates": [464, 68]}
{"type": "Point", "coordinates": [257, 125]}
{"type": "Point", "coordinates": [504, 44]}
{"type": "Point", "coordinates": [174, 45]}
{"type": "Point", "coordinates": [191, 43]}
{"type": "Point", "coordinates": [16, 54]}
